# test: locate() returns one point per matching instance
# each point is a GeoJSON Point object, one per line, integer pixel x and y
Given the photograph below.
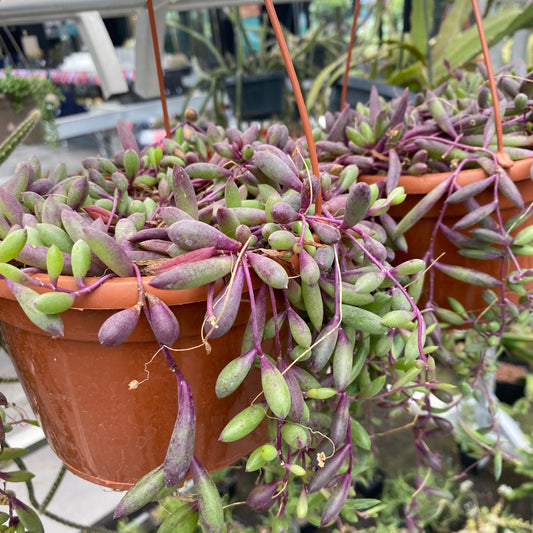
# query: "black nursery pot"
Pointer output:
{"type": "Point", "coordinates": [510, 381]}
{"type": "Point", "coordinates": [262, 94]}
{"type": "Point", "coordinates": [358, 90]}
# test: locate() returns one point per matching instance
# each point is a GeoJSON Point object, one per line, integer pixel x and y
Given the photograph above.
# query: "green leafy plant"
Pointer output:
{"type": "Point", "coordinates": [416, 60]}
{"type": "Point", "coordinates": [308, 51]}
{"type": "Point", "coordinates": [45, 96]}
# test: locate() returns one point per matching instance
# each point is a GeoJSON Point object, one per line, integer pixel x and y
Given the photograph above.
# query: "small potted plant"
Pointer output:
{"type": "Point", "coordinates": [19, 95]}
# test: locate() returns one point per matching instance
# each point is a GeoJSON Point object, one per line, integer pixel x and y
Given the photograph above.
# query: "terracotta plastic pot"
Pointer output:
{"type": "Point", "coordinates": [419, 236]}
{"type": "Point", "coordinates": [78, 389]}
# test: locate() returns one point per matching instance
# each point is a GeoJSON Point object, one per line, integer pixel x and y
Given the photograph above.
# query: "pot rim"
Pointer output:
{"type": "Point", "coordinates": [116, 293]}
{"type": "Point", "coordinates": [426, 183]}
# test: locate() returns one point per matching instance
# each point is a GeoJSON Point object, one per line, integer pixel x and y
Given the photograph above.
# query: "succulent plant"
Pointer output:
{"type": "Point", "coordinates": [318, 258]}
{"type": "Point", "coordinates": [232, 206]}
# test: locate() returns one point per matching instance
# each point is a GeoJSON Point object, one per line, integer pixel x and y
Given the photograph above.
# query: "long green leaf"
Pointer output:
{"type": "Point", "coordinates": [466, 46]}
{"type": "Point", "coordinates": [455, 19]}
{"type": "Point", "coordinates": [419, 29]}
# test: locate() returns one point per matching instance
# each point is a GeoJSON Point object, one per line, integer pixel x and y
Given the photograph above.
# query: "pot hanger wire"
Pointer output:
{"type": "Point", "coordinates": [502, 157]}
{"type": "Point", "coordinates": [159, 66]}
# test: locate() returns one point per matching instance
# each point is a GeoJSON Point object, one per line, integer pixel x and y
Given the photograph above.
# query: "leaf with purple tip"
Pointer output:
{"type": "Point", "coordinates": [119, 326]}
{"type": "Point", "coordinates": [109, 252]}
{"type": "Point", "coordinates": [181, 447]}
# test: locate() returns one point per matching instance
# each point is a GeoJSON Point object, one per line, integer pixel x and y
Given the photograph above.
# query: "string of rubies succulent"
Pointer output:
{"type": "Point", "coordinates": [226, 205]}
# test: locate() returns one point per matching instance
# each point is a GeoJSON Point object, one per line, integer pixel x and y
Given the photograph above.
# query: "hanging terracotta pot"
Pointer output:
{"type": "Point", "coordinates": [103, 431]}
{"type": "Point", "coordinates": [419, 236]}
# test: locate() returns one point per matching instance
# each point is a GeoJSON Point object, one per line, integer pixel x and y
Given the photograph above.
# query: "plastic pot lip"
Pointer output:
{"type": "Point", "coordinates": [426, 183]}
{"type": "Point", "coordinates": [117, 293]}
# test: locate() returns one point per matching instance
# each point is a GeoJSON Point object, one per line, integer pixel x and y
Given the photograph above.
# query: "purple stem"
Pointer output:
{"type": "Point", "coordinates": [386, 271]}
{"type": "Point", "coordinates": [116, 197]}
{"type": "Point", "coordinates": [257, 340]}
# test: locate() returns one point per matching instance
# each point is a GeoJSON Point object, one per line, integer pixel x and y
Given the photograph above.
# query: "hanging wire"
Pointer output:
{"type": "Point", "coordinates": [349, 54]}
{"type": "Point", "coordinates": [297, 93]}
{"type": "Point", "coordinates": [503, 157]}
{"type": "Point", "coordinates": [161, 81]}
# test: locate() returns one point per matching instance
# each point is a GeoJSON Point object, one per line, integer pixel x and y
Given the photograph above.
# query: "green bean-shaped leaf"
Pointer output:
{"type": "Point", "coordinates": [469, 191]}
{"type": "Point", "coordinates": [468, 275]}
{"type": "Point", "coordinates": [15, 274]}
{"type": "Point", "coordinates": [369, 282]}
{"type": "Point", "coordinates": [28, 517]}
{"type": "Point", "coordinates": [295, 435]}
{"type": "Point", "coordinates": [281, 240]}
{"type": "Point", "coordinates": [243, 423]}
{"type": "Point", "coordinates": [54, 262]}
{"type": "Point", "coordinates": [410, 267]}
{"type": "Point", "coordinates": [524, 236]}
{"type": "Point", "coordinates": [207, 171]}
{"type": "Point", "coordinates": [475, 216]}
{"type": "Point", "coordinates": [509, 189]}
{"type": "Point", "coordinates": [184, 194]}
{"type": "Point", "coordinates": [234, 373]}
{"type": "Point", "coordinates": [313, 303]}
{"type": "Point", "coordinates": [81, 261]}
{"type": "Point", "coordinates": [109, 252]}
{"type": "Point", "coordinates": [12, 245]}
{"type": "Point", "coordinates": [194, 234]}
{"type": "Point", "coordinates": [357, 204]}
{"type": "Point", "coordinates": [439, 114]}
{"type": "Point", "coordinates": [184, 520]}
{"type": "Point", "coordinates": [399, 319]}
{"type": "Point", "coordinates": [131, 162]}
{"type": "Point", "coordinates": [421, 208]}
{"type": "Point", "coordinates": [363, 320]}
{"type": "Point", "coordinates": [309, 271]}
{"type": "Point", "coordinates": [342, 360]}
{"type": "Point", "coordinates": [10, 208]}
{"type": "Point", "coordinates": [53, 303]}
{"type": "Point", "coordinates": [299, 329]}
{"type": "Point", "coordinates": [77, 192]}
{"type": "Point", "coordinates": [51, 234]}
{"type": "Point", "coordinates": [270, 271]}
{"type": "Point", "coordinates": [51, 211]}
{"type": "Point", "coordinates": [195, 274]}
{"type": "Point", "coordinates": [325, 345]}
{"type": "Point", "coordinates": [141, 493]}
{"type": "Point", "coordinates": [275, 388]}
{"type": "Point", "coordinates": [26, 298]}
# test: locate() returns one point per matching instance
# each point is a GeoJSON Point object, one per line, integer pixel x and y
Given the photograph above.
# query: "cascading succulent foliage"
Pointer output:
{"type": "Point", "coordinates": [317, 257]}
{"type": "Point", "coordinates": [229, 205]}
